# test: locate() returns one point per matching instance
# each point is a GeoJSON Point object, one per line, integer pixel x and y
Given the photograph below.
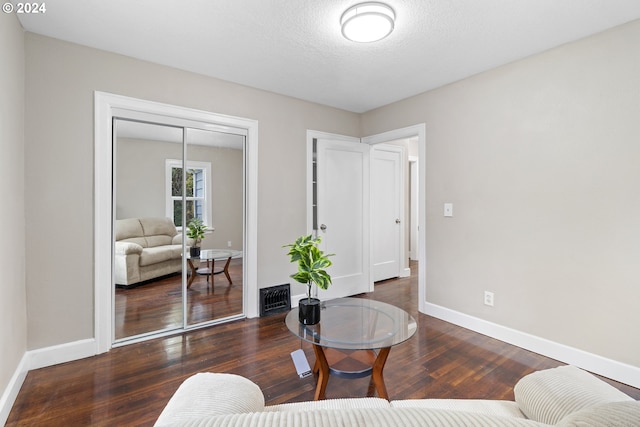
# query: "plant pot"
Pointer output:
{"type": "Point", "coordinates": [309, 311]}
{"type": "Point", "coordinates": [194, 251]}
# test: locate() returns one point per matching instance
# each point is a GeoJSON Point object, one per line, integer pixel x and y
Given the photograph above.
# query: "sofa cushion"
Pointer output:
{"type": "Point", "coordinates": [156, 255]}
{"type": "Point", "coordinates": [159, 240]}
{"type": "Point", "coordinates": [503, 408]}
{"type": "Point", "coordinates": [365, 417]}
{"type": "Point", "coordinates": [130, 230]}
{"type": "Point", "coordinates": [359, 402]}
{"type": "Point", "coordinates": [158, 231]}
{"type": "Point", "coordinates": [208, 395]}
{"type": "Point", "coordinates": [550, 395]}
{"type": "Point", "coordinates": [158, 226]}
{"type": "Point", "coordinates": [176, 251]}
{"type": "Point", "coordinates": [618, 414]}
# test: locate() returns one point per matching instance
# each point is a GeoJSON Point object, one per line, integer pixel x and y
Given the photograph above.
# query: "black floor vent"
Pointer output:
{"type": "Point", "coordinates": [275, 299]}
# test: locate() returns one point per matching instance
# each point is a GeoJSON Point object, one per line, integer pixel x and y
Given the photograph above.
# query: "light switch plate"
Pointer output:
{"type": "Point", "coordinates": [448, 209]}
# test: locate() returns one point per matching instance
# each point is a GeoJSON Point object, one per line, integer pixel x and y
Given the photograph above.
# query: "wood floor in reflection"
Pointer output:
{"type": "Point", "coordinates": [130, 385]}
{"type": "Point", "coordinates": [157, 304]}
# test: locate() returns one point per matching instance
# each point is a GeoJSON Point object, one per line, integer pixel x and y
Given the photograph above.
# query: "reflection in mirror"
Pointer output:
{"type": "Point", "coordinates": [147, 247]}
{"type": "Point", "coordinates": [152, 193]}
{"type": "Point", "coordinates": [214, 183]}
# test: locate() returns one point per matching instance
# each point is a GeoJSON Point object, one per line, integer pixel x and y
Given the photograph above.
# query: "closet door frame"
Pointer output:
{"type": "Point", "coordinates": [108, 106]}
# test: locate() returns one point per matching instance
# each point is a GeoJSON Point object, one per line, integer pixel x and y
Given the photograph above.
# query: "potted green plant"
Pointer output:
{"type": "Point", "coordinates": [312, 265]}
{"type": "Point", "coordinates": [196, 232]}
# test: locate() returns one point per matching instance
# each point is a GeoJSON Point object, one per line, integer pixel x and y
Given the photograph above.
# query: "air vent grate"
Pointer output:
{"type": "Point", "coordinates": [275, 299]}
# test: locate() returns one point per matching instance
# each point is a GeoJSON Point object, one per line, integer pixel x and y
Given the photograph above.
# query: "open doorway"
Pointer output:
{"type": "Point", "coordinates": [416, 134]}
{"type": "Point", "coordinates": [415, 138]}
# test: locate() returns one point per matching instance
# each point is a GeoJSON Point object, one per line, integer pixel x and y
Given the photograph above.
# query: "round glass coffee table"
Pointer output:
{"type": "Point", "coordinates": [211, 256]}
{"type": "Point", "coordinates": [355, 325]}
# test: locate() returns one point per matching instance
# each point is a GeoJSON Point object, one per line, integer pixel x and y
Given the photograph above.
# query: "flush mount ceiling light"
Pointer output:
{"type": "Point", "coordinates": [367, 22]}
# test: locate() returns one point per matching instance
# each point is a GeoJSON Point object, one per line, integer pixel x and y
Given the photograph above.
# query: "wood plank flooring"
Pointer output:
{"type": "Point", "coordinates": [130, 385]}
{"type": "Point", "coordinates": [157, 305]}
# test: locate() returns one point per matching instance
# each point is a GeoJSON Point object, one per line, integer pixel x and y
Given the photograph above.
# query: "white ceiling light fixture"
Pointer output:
{"type": "Point", "coordinates": [367, 22]}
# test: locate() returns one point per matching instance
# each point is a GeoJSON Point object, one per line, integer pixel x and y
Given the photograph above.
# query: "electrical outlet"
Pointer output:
{"type": "Point", "coordinates": [229, 244]}
{"type": "Point", "coordinates": [488, 298]}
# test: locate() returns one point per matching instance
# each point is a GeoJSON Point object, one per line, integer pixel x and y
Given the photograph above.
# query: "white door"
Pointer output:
{"type": "Point", "coordinates": [387, 213]}
{"type": "Point", "coordinates": [342, 184]}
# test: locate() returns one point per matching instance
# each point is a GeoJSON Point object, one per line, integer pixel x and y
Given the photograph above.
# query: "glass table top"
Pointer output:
{"type": "Point", "coordinates": [216, 254]}
{"type": "Point", "coordinates": [355, 324]}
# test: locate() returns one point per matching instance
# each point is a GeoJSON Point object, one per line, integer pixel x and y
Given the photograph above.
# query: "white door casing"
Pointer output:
{"type": "Point", "coordinates": [414, 224]}
{"type": "Point", "coordinates": [419, 132]}
{"type": "Point", "coordinates": [343, 213]}
{"type": "Point", "coordinates": [387, 211]}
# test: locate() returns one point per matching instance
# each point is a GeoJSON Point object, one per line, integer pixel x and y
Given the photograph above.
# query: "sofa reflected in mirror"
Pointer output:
{"type": "Point", "coordinates": [145, 249]}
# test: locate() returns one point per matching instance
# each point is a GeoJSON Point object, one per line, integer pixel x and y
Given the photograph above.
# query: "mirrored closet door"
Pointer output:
{"type": "Point", "coordinates": [214, 179]}
{"type": "Point", "coordinates": [178, 229]}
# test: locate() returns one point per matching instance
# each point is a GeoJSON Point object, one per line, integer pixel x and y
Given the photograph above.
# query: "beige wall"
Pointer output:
{"type": "Point", "coordinates": [538, 157]}
{"type": "Point", "coordinates": [140, 177]}
{"type": "Point", "coordinates": [141, 191]}
{"type": "Point", "coordinates": [541, 160]}
{"type": "Point", "coordinates": [61, 79]}
{"type": "Point", "coordinates": [13, 317]}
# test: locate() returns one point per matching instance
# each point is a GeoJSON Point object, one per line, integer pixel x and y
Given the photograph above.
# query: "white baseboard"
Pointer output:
{"type": "Point", "coordinates": [41, 358]}
{"type": "Point", "coordinates": [618, 371]}
{"type": "Point", "coordinates": [406, 272]}
{"type": "Point", "coordinates": [13, 388]}
{"type": "Point", "coordinates": [62, 353]}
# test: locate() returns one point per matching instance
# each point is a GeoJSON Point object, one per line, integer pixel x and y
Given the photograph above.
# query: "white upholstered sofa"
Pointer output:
{"type": "Point", "coordinates": [564, 396]}
{"type": "Point", "coordinates": [146, 248]}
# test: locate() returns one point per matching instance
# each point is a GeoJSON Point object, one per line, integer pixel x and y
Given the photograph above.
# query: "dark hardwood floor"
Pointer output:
{"type": "Point", "coordinates": [157, 304]}
{"type": "Point", "coordinates": [130, 385]}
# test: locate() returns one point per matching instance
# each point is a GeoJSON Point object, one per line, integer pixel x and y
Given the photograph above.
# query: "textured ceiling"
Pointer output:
{"type": "Point", "coordinates": [294, 47]}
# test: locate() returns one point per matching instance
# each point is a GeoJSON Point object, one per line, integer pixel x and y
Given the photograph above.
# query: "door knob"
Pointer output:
{"type": "Point", "coordinates": [323, 227]}
{"type": "Point", "coordinates": [397, 221]}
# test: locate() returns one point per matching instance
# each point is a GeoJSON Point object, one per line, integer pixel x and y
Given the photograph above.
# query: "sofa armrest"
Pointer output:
{"type": "Point", "coordinates": [127, 248]}
{"type": "Point", "coordinates": [177, 240]}
{"type": "Point", "coordinates": [605, 415]}
{"type": "Point", "coordinates": [208, 394]}
{"type": "Point", "coordinates": [550, 395]}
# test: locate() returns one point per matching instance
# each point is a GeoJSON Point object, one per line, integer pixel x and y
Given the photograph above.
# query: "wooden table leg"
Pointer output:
{"type": "Point", "coordinates": [321, 367]}
{"type": "Point", "coordinates": [226, 270]}
{"type": "Point", "coordinates": [193, 273]}
{"type": "Point", "coordinates": [376, 374]}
